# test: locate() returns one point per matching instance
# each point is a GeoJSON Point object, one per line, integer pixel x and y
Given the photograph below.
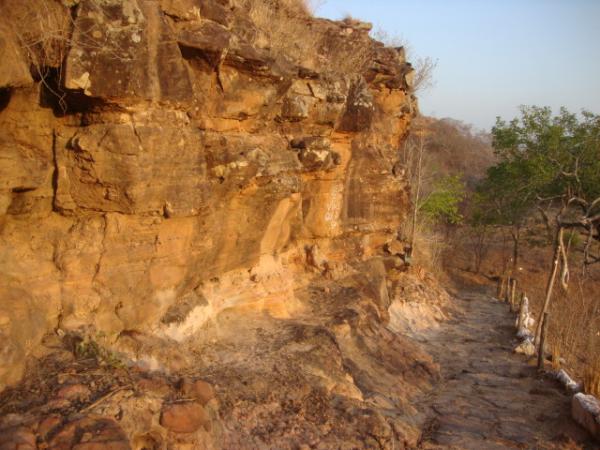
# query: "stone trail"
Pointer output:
{"type": "Point", "coordinates": [491, 398]}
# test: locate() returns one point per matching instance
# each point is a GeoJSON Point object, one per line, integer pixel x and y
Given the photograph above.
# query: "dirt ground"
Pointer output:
{"type": "Point", "coordinates": [336, 377]}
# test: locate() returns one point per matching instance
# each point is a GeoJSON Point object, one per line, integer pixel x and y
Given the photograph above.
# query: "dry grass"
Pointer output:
{"type": "Point", "coordinates": [46, 30]}
{"type": "Point", "coordinates": [347, 55]}
{"type": "Point", "coordinates": [283, 27]}
{"type": "Point", "coordinates": [429, 248]}
{"type": "Point", "coordinates": [42, 29]}
{"type": "Point", "coordinates": [591, 378]}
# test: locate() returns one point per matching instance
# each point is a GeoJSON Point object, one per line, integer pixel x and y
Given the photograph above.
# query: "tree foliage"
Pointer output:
{"type": "Point", "coordinates": [545, 162]}
{"type": "Point", "coordinates": [550, 156]}
{"type": "Point", "coordinates": [442, 205]}
{"type": "Point", "coordinates": [497, 199]}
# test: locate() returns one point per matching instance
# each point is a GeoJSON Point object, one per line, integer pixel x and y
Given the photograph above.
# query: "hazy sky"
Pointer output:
{"type": "Point", "coordinates": [494, 55]}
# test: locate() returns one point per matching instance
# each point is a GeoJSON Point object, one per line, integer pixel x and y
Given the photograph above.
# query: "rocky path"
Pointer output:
{"type": "Point", "coordinates": [491, 398]}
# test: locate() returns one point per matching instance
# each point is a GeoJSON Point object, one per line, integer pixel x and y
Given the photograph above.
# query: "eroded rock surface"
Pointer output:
{"type": "Point", "coordinates": [182, 197]}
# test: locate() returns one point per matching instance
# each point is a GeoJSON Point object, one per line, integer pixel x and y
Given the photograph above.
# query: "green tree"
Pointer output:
{"type": "Point", "coordinates": [551, 163]}
{"type": "Point", "coordinates": [497, 201]}
{"type": "Point", "coordinates": [442, 205]}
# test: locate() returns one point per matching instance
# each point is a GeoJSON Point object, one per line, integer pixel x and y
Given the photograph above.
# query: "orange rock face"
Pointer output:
{"type": "Point", "coordinates": [177, 152]}
{"type": "Point", "coordinates": [178, 184]}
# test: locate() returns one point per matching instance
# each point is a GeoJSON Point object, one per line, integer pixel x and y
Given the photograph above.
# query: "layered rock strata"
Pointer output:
{"type": "Point", "coordinates": [189, 197]}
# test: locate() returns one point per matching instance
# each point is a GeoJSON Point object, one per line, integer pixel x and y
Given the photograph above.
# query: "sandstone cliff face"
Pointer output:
{"type": "Point", "coordinates": [188, 194]}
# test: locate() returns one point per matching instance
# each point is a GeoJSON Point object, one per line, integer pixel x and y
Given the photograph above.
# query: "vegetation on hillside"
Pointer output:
{"type": "Point", "coordinates": [444, 159]}
{"type": "Point", "coordinates": [535, 216]}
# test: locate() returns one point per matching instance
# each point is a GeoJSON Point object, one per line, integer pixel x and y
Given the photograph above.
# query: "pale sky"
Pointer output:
{"type": "Point", "coordinates": [494, 55]}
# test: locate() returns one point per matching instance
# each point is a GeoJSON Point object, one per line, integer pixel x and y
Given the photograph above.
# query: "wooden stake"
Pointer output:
{"type": "Point", "coordinates": [540, 361]}
{"type": "Point", "coordinates": [523, 295]}
{"type": "Point", "coordinates": [551, 279]}
{"type": "Point", "coordinates": [513, 291]}
{"type": "Point", "coordinates": [522, 313]}
{"type": "Point", "coordinates": [503, 286]}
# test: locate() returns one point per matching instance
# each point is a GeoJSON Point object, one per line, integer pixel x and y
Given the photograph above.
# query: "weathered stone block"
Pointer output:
{"type": "Point", "coordinates": [360, 109]}
{"type": "Point", "coordinates": [586, 412]}
{"type": "Point", "coordinates": [125, 50]}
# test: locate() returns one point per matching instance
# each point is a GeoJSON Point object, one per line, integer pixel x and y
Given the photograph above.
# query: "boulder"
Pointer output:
{"type": "Point", "coordinates": [90, 433]}
{"type": "Point", "coordinates": [526, 348]}
{"type": "Point", "coordinates": [585, 410]}
{"type": "Point", "coordinates": [315, 153]}
{"type": "Point", "coordinates": [156, 385]}
{"type": "Point", "coordinates": [166, 195]}
{"type": "Point", "coordinates": [184, 417]}
{"type": "Point", "coordinates": [296, 108]}
{"type": "Point", "coordinates": [48, 424]}
{"type": "Point", "coordinates": [206, 37]}
{"type": "Point", "coordinates": [199, 390]}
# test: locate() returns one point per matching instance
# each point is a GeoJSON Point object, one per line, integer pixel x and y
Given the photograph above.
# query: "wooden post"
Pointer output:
{"type": "Point", "coordinates": [523, 312]}
{"type": "Point", "coordinates": [499, 290]}
{"type": "Point", "coordinates": [551, 279]}
{"type": "Point", "coordinates": [540, 361]}
{"type": "Point", "coordinates": [520, 316]}
{"type": "Point", "coordinates": [513, 291]}
{"type": "Point", "coordinates": [503, 286]}
{"type": "Point", "coordinates": [507, 290]}
{"type": "Point", "coordinates": [523, 295]}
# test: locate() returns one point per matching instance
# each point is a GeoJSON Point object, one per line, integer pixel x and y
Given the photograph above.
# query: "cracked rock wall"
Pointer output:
{"type": "Point", "coordinates": [159, 164]}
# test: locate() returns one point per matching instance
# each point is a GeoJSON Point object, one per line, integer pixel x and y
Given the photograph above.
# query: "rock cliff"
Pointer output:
{"type": "Point", "coordinates": [203, 189]}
